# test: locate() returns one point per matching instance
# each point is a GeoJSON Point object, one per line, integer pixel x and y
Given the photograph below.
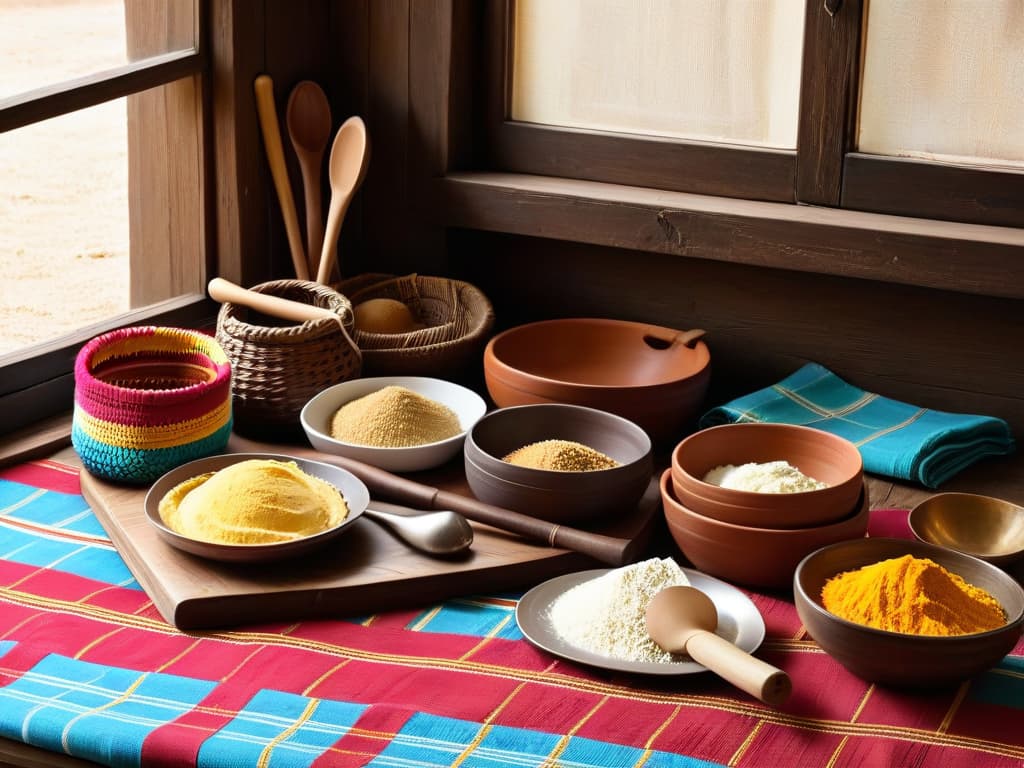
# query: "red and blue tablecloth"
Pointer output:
{"type": "Point", "coordinates": [88, 667]}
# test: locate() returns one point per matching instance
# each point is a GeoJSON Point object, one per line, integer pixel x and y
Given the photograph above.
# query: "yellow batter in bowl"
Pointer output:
{"type": "Point", "coordinates": [256, 501]}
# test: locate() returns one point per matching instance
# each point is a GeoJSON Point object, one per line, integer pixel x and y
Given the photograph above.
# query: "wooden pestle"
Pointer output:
{"type": "Point", "coordinates": [381, 483]}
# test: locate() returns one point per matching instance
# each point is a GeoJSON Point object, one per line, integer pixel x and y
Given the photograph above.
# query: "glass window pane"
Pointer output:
{"type": "Point", "coordinates": [944, 81]}
{"type": "Point", "coordinates": [63, 224]}
{"type": "Point", "coordinates": [57, 40]}
{"type": "Point", "coordinates": [716, 70]}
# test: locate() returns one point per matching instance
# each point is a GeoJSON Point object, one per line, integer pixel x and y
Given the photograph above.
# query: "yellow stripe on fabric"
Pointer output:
{"type": "Point", "coordinates": [563, 742]}
{"type": "Point", "coordinates": [648, 745]}
{"type": "Point", "coordinates": [309, 688]}
{"type": "Point", "coordinates": [89, 646]}
{"type": "Point", "coordinates": [799, 399]}
{"type": "Point", "coordinates": [742, 748]}
{"type": "Point", "coordinates": [264, 759]}
{"type": "Point", "coordinates": [853, 719]}
{"type": "Point", "coordinates": [426, 619]}
{"type": "Point", "coordinates": [544, 677]}
{"type": "Point", "coordinates": [487, 638]}
{"type": "Point", "coordinates": [112, 703]}
{"type": "Point", "coordinates": [486, 726]}
{"type": "Point", "coordinates": [161, 436]}
{"type": "Point", "coordinates": [961, 693]}
{"type": "Point", "coordinates": [882, 432]}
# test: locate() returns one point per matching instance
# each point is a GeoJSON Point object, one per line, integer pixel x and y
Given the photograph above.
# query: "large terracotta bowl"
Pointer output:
{"type": "Point", "coordinates": [654, 376]}
{"type": "Point", "coordinates": [579, 498]}
{"type": "Point", "coordinates": [829, 458]}
{"type": "Point", "coordinates": [755, 557]}
{"type": "Point", "coordinates": [893, 658]}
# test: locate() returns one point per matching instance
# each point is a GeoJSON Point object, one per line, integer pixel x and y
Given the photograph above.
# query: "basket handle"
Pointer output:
{"type": "Point", "coordinates": [224, 290]}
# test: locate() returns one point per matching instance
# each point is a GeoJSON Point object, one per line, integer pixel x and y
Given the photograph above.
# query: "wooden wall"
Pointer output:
{"type": "Point", "coordinates": [941, 348]}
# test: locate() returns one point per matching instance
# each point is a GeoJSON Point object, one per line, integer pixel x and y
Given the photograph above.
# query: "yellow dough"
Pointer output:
{"type": "Point", "coordinates": [384, 316]}
{"type": "Point", "coordinates": [257, 501]}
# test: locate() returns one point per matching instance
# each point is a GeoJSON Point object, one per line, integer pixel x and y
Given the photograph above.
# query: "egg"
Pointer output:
{"type": "Point", "coordinates": [384, 316]}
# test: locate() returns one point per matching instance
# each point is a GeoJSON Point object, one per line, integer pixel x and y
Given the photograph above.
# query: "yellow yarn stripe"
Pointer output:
{"type": "Point", "coordinates": [164, 340]}
{"type": "Point", "coordinates": [163, 436]}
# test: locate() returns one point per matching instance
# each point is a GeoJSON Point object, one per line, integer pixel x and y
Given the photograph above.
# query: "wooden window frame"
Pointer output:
{"type": "Point", "coordinates": [823, 170]}
{"type": "Point", "coordinates": [37, 383]}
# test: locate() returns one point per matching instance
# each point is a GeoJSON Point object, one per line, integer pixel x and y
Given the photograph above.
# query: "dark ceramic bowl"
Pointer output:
{"type": "Point", "coordinates": [826, 457]}
{"type": "Point", "coordinates": [561, 497]}
{"type": "Point", "coordinates": [654, 376]}
{"type": "Point", "coordinates": [987, 528]}
{"type": "Point", "coordinates": [756, 557]}
{"type": "Point", "coordinates": [893, 658]}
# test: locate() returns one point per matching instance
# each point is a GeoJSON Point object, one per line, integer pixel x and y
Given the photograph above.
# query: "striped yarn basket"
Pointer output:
{"type": "Point", "coordinates": [148, 399]}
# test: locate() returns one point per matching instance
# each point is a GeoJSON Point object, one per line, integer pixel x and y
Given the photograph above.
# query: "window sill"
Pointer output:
{"type": "Point", "coordinates": [967, 258]}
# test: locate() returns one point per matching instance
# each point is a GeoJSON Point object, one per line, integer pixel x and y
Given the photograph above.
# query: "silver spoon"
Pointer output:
{"type": "Point", "coordinates": [440, 532]}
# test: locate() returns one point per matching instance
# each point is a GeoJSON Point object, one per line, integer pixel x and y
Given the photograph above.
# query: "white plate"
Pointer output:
{"type": "Point", "coordinates": [739, 621]}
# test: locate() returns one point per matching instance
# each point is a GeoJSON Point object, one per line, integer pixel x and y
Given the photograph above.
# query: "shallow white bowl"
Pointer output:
{"type": "Point", "coordinates": [317, 413]}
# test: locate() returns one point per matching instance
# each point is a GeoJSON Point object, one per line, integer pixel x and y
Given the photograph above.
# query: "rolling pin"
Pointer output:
{"type": "Point", "coordinates": [611, 550]}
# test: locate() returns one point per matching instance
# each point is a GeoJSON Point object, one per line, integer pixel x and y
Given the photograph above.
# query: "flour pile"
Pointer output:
{"type": "Point", "coordinates": [606, 615]}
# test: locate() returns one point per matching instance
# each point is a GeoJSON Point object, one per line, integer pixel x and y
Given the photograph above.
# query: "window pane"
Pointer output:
{"type": "Point", "coordinates": [944, 81]}
{"type": "Point", "coordinates": [63, 224]}
{"type": "Point", "coordinates": [56, 40]}
{"type": "Point", "coordinates": [716, 70]}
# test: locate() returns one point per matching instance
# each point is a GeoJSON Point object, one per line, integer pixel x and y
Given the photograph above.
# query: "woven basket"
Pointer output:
{"type": "Point", "coordinates": [148, 399]}
{"type": "Point", "coordinates": [277, 369]}
{"type": "Point", "coordinates": [457, 315]}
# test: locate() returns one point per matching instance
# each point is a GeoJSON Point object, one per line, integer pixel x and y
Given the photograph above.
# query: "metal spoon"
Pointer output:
{"type": "Point", "coordinates": [309, 126]}
{"type": "Point", "coordinates": [441, 532]}
{"type": "Point", "coordinates": [684, 619]}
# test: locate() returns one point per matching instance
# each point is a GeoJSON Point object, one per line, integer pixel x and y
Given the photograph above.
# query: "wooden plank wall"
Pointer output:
{"type": "Point", "coordinates": [936, 348]}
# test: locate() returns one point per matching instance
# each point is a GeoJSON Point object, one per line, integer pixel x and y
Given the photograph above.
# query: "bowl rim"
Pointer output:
{"type": "Point", "coordinates": [502, 367]}
{"type": "Point", "coordinates": [813, 604]}
{"type": "Point", "coordinates": [478, 402]}
{"type": "Point", "coordinates": [862, 509]}
{"type": "Point", "coordinates": [744, 496]}
{"type": "Point", "coordinates": [996, 558]}
{"type": "Point", "coordinates": [509, 412]}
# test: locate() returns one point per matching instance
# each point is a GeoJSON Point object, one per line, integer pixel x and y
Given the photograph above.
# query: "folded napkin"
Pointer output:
{"type": "Point", "coordinates": [895, 439]}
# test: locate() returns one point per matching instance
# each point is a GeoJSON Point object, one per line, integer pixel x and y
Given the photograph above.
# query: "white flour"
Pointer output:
{"type": "Point", "coordinates": [606, 615]}
{"type": "Point", "coordinates": [770, 477]}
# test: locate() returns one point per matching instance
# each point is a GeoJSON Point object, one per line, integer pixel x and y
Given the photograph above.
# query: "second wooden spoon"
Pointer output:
{"type": "Point", "coordinates": [309, 126]}
{"type": "Point", "coordinates": [350, 156]}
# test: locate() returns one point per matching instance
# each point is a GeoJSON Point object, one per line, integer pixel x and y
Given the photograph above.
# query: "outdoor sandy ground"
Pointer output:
{"type": "Point", "coordinates": [64, 182]}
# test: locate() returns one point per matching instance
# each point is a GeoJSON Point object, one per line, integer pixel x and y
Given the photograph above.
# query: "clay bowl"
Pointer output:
{"type": "Point", "coordinates": [578, 498]}
{"type": "Point", "coordinates": [818, 454]}
{"type": "Point", "coordinates": [893, 658]}
{"type": "Point", "coordinates": [654, 376]}
{"type": "Point", "coordinates": [756, 557]}
{"type": "Point", "coordinates": [317, 414]}
{"type": "Point", "coordinates": [987, 528]}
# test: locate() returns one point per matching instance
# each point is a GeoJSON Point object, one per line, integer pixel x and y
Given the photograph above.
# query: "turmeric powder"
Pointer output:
{"type": "Point", "coordinates": [914, 596]}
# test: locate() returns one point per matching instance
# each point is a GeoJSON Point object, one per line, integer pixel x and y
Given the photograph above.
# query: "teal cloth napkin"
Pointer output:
{"type": "Point", "coordinates": [895, 439]}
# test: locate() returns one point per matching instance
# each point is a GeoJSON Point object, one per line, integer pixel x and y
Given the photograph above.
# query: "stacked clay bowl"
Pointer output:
{"type": "Point", "coordinates": [653, 376]}
{"type": "Point", "coordinates": [754, 538]}
{"type": "Point", "coordinates": [577, 497]}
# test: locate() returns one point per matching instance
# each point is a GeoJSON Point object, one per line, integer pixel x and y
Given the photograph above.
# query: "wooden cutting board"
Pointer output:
{"type": "Point", "coordinates": [363, 571]}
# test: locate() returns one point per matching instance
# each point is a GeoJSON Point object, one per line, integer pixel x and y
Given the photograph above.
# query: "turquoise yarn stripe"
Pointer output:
{"type": "Point", "coordinates": [142, 465]}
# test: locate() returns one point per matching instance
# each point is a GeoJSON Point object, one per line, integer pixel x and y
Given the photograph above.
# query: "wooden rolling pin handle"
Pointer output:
{"type": "Point", "coordinates": [748, 673]}
{"type": "Point", "coordinates": [224, 290]}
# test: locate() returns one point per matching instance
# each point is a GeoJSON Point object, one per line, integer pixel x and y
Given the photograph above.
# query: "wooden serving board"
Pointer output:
{"type": "Point", "coordinates": [363, 571]}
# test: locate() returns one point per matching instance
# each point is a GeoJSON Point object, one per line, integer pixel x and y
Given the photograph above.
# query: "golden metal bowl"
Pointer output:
{"type": "Point", "coordinates": [988, 528]}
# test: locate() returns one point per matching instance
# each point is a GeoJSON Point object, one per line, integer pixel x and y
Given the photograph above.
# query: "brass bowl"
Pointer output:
{"type": "Point", "coordinates": [988, 528]}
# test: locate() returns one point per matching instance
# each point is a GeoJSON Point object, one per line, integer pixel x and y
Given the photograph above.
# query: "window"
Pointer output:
{"type": "Point", "coordinates": [102, 146]}
{"type": "Point", "coordinates": [826, 103]}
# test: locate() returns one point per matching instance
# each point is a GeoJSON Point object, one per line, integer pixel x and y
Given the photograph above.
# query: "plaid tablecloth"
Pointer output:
{"type": "Point", "coordinates": [88, 667]}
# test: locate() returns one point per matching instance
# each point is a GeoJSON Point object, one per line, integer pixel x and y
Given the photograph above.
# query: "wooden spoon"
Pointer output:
{"type": "Point", "coordinates": [263, 86]}
{"type": "Point", "coordinates": [309, 126]}
{"type": "Point", "coordinates": [684, 619]}
{"type": "Point", "coordinates": [350, 157]}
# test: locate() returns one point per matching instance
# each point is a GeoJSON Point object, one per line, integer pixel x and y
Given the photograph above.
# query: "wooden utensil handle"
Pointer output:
{"type": "Point", "coordinates": [748, 673]}
{"type": "Point", "coordinates": [224, 290]}
{"type": "Point", "coordinates": [263, 87]}
{"type": "Point", "coordinates": [381, 483]}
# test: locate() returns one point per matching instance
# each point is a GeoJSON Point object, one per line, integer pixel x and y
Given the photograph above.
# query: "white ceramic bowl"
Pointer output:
{"type": "Point", "coordinates": [316, 418]}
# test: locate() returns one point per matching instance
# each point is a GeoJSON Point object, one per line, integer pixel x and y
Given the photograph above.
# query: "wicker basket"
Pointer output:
{"type": "Point", "coordinates": [277, 369]}
{"type": "Point", "coordinates": [457, 315]}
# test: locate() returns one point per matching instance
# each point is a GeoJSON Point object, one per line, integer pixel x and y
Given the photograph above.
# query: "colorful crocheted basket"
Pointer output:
{"type": "Point", "coordinates": [148, 399]}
